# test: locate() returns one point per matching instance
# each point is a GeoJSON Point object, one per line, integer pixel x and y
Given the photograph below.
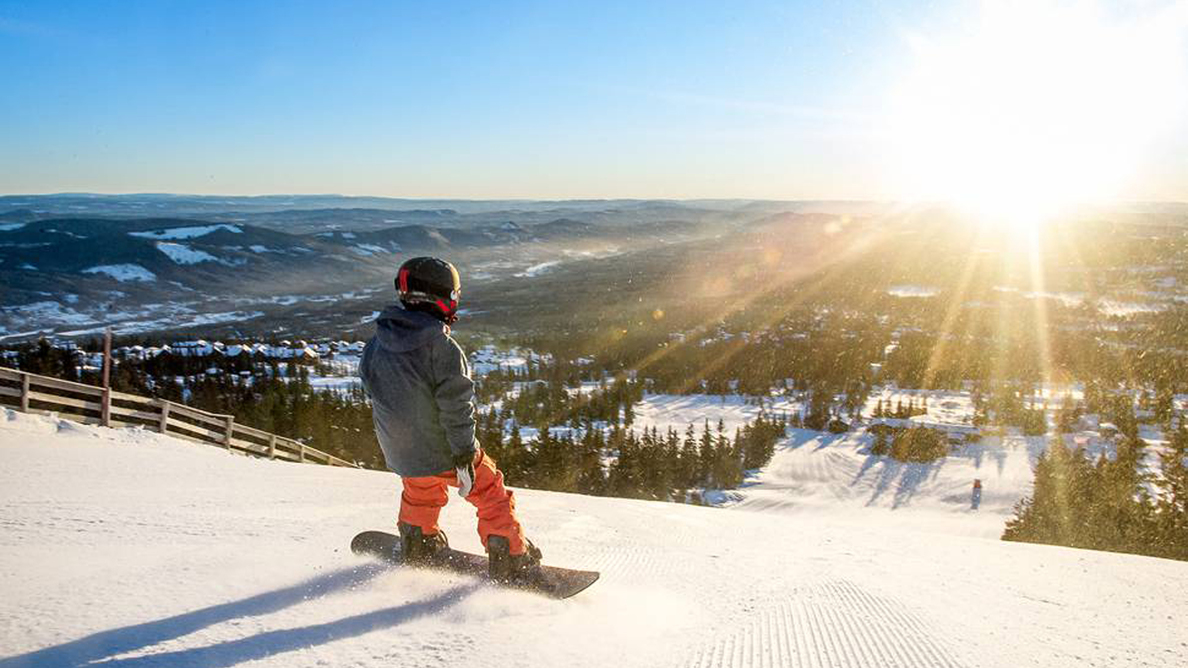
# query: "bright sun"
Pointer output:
{"type": "Point", "coordinates": [1036, 107]}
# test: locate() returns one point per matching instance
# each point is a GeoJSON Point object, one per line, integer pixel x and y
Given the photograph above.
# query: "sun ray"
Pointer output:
{"type": "Point", "coordinates": [1040, 303]}
{"type": "Point", "coordinates": [956, 303]}
{"type": "Point", "coordinates": [835, 265]}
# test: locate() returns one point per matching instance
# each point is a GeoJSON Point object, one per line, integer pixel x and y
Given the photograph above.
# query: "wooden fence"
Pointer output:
{"type": "Point", "coordinates": [32, 393]}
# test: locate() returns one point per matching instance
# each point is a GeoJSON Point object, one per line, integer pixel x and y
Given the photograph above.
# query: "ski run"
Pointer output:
{"type": "Point", "coordinates": [128, 548]}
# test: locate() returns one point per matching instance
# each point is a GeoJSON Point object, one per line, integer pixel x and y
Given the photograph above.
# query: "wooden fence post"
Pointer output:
{"type": "Point", "coordinates": [163, 427]}
{"type": "Point", "coordinates": [24, 392]}
{"type": "Point", "coordinates": [230, 428]}
{"type": "Point", "coordinates": [272, 446]}
{"type": "Point", "coordinates": [105, 409]}
{"type": "Point", "coordinates": [107, 357]}
{"type": "Point", "coordinates": [300, 451]}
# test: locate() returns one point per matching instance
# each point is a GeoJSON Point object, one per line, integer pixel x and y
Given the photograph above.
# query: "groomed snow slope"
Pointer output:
{"type": "Point", "coordinates": [817, 474]}
{"type": "Point", "coordinates": [126, 548]}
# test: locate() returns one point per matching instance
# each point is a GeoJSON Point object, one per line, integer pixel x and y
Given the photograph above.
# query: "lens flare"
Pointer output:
{"type": "Point", "coordinates": [1036, 108]}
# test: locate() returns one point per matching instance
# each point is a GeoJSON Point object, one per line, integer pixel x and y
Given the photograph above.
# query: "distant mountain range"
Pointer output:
{"type": "Point", "coordinates": [71, 273]}
{"type": "Point", "coordinates": [71, 264]}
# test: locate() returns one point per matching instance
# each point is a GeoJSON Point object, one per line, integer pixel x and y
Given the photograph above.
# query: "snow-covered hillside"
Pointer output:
{"type": "Point", "coordinates": [127, 548]}
{"type": "Point", "coordinates": [817, 474]}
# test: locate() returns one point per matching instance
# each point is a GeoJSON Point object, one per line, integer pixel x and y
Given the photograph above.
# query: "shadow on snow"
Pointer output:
{"type": "Point", "coordinates": [99, 647]}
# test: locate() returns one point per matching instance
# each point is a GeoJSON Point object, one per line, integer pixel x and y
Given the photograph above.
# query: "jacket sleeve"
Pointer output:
{"type": "Point", "coordinates": [365, 367]}
{"type": "Point", "coordinates": [454, 392]}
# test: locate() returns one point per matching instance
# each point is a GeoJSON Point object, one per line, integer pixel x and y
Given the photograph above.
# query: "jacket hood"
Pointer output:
{"type": "Point", "coordinates": [398, 329]}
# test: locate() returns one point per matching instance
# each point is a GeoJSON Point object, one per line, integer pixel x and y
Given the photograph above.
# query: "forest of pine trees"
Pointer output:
{"type": "Point", "coordinates": [648, 464]}
{"type": "Point", "coordinates": [585, 441]}
{"type": "Point", "coordinates": [1108, 504]}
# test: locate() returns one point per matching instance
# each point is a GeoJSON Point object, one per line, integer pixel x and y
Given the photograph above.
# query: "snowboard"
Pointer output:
{"type": "Point", "coordinates": [561, 582]}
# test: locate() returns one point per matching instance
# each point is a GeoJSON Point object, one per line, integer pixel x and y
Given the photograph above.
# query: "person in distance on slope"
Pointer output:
{"type": "Point", "coordinates": [422, 401]}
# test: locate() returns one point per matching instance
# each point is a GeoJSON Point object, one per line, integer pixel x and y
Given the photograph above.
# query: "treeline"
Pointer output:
{"type": "Point", "coordinates": [809, 349]}
{"type": "Point", "coordinates": [1006, 404]}
{"type": "Point", "coordinates": [584, 442]}
{"type": "Point", "coordinates": [1147, 353]}
{"type": "Point", "coordinates": [1108, 504]}
{"type": "Point", "coordinates": [623, 463]}
{"type": "Point", "coordinates": [911, 444]}
{"type": "Point", "coordinates": [901, 410]}
{"type": "Point", "coordinates": [541, 396]}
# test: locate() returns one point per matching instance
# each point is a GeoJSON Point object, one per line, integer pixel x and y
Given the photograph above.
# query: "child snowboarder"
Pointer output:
{"type": "Point", "coordinates": [422, 400]}
{"type": "Point", "coordinates": [976, 498]}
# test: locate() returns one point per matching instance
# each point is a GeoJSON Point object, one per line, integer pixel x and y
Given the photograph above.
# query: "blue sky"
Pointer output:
{"type": "Point", "coordinates": [454, 99]}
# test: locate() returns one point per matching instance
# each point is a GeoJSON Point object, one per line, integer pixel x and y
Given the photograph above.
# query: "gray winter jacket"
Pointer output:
{"type": "Point", "coordinates": [422, 398]}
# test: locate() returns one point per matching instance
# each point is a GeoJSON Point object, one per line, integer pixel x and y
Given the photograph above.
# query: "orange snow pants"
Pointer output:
{"type": "Point", "coordinates": [423, 498]}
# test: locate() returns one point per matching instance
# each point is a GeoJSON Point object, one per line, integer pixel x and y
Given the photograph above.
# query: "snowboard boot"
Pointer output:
{"type": "Point", "coordinates": [417, 548]}
{"type": "Point", "coordinates": [517, 570]}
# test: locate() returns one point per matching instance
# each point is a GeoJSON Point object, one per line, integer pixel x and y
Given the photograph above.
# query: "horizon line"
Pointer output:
{"type": "Point", "coordinates": [895, 202]}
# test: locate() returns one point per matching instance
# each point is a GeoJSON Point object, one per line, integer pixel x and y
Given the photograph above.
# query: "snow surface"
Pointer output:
{"type": "Point", "coordinates": [42, 313]}
{"type": "Point", "coordinates": [911, 291]}
{"type": "Point", "coordinates": [128, 548]}
{"type": "Point", "coordinates": [818, 473]}
{"type": "Point", "coordinates": [123, 272]}
{"type": "Point", "coordinates": [489, 358]}
{"type": "Point", "coordinates": [339, 384]}
{"type": "Point", "coordinates": [945, 408]}
{"type": "Point", "coordinates": [183, 254]}
{"type": "Point", "coordinates": [537, 269]}
{"type": "Point", "coordinates": [1119, 309]}
{"type": "Point", "coordinates": [369, 249]}
{"type": "Point", "coordinates": [680, 410]}
{"type": "Point", "coordinates": [186, 232]}
{"type": "Point", "coordinates": [1069, 299]}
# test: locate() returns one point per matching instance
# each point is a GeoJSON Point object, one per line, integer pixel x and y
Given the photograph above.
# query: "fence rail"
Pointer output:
{"type": "Point", "coordinates": [33, 393]}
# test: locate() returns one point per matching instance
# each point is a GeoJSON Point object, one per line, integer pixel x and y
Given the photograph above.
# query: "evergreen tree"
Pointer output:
{"type": "Point", "coordinates": [1054, 512]}
{"type": "Point", "coordinates": [591, 477]}
{"type": "Point", "coordinates": [1172, 520]}
{"type": "Point", "coordinates": [705, 457]}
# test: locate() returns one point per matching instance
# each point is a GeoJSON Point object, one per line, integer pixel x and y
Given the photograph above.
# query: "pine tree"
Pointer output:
{"type": "Point", "coordinates": [514, 456]}
{"type": "Point", "coordinates": [689, 461]}
{"type": "Point", "coordinates": [1054, 513]}
{"type": "Point", "coordinates": [591, 477]}
{"type": "Point", "coordinates": [1172, 506]}
{"type": "Point", "coordinates": [705, 457]}
{"type": "Point", "coordinates": [723, 472]}
{"type": "Point", "coordinates": [880, 446]}
{"type": "Point", "coordinates": [1101, 506]}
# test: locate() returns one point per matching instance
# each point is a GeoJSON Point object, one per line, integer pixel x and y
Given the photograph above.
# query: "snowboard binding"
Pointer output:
{"type": "Point", "coordinates": [418, 549]}
{"type": "Point", "coordinates": [516, 570]}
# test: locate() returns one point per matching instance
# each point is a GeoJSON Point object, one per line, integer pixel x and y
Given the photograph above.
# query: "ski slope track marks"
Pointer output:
{"type": "Point", "coordinates": [819, 474]}
{"type": "Point", "coordinates": [128, 548]}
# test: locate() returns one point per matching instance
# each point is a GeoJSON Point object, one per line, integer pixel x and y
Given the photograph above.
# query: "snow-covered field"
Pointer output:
{"type": "Point", "coordinates": [678, 411]}
{"type": "Point", "coordinates": [192, 232]}
{"type": "Point", "coordinates": [123, 272]}
{"type": "Point", "coordinates": [183, 254]}
{"type": "Point", "coordinates": [815, 474]}
{"type": "Point", "coordinates": [944, 407]}
{"type": "Point", "coordinates": [489, 358]}
{"type": "Point", "coordinates": [127, 548]}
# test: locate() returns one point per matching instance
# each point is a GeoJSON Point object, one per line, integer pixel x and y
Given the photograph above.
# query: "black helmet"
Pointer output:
{"type": "Point", "coordinates": [432, 285]}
